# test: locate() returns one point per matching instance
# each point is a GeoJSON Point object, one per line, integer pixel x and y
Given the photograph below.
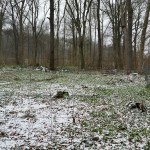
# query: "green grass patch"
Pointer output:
{"type": "Point", "coordinates": [89, 99]}
{"type": "Point", "coordinates": [95, 114]}
{"type": "Point", "coordinates": [37, 95]}
{"type": "Point", "coordinates": [144, 93]}
{"type": "Point", "coordinates": [104, 91]}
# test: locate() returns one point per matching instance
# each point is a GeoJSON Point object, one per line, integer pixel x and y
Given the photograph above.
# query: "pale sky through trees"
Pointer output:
{"type": "Point", "coordinates": [106, 24]}
{"type": "Point", "coordinates": [105, 17]}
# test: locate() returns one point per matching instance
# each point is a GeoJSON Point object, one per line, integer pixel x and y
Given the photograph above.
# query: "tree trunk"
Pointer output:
{"type": "Point", "coordinates": [129, 37]}
{"type": "Point", "coordinates": [35, 45]}
{"type": "Point", "coordinates": [94, 49]}
{"type": "Point", "coordinates": [143, 36]}
{"type": "Point", "coordinates": [21, 43]}
{"type": "Point", "coordinates": [35, 49]}
{"type": "Point", "coordinates": [90, 36]}
{"type": "Point", "coordinates": [16, 44]}
{"type": "Point", "coordinates": [3, 5]}
{"type": "Point", "coordinates": [20, 13]}
{"type": "Point", "coordinates": [1, 53]}
{"type": "Point", "coordinates": [15, 33]}
{"type": "Point", "coordinates": [99, 65]}
{"type": "Point", "coordinates": [64, 43]}
{"type": "Point", "coordinates": [136, 26]}
{"type": "Point", "coordinates": [58, 26]}
{"type": "Point", "coordinates": [81, 42]}
{"type": "Point", "coordinates": [74, 44]}
{"type": "Point", "coordinates": [52, 67]}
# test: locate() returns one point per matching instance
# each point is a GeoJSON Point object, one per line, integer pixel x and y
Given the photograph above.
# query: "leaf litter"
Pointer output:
{"type": "Point", "coordinates": [72, 110]}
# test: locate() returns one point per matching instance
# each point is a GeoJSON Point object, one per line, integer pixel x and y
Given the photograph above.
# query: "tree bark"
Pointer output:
{"type": "Point", "coordinates": [143, 36]}
{"type": "Point", "coordinates": [136, 26]}
{"type": "Point", "coordinates": [52, 63]}
{"type": "Point", "coordinates": [1, 53]}
{"type": "Point", "coordinates": [90, 36]}
{"type": "Point", "coordinates": [15, 34]}
{"type": "Point", "coordinates": [81, 44]}
{"type": "Point", "coordinates": [3, 5]}
{"type": "Point", "coordinates": [129, 37]}
{"type": "Point", "coordinates": [74, 43]}
{"type": "Point", "coordinates": [20, 12]}
{"type": "Point", "coordinates": [58, 27]}
{"type": "Point", "coordinates": [99, 65]}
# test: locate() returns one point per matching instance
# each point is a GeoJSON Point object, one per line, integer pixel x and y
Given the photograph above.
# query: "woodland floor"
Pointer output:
{"type": "Point", "coordinates": [92, 113]}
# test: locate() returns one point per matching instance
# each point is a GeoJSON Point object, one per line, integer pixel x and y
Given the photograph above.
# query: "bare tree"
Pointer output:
{"type": "Point", "coordinates": [15, 30]}
{"type": "Point", "coordinates": [33, 18]}
{"type": "Point", "coordinates": [143, 35]}
{"type": "Point", "coordinates": [136, 26]}
{"type": "Point", "coordinates": [90, 34]}
{"type": "Point", "coordinates": [79, 32]}
{"type": "Point", "coordinates": [3, 6]}
{"type": "Point", "coordinates": [52, 54]}
{"type": "Point", "coordinates": [129, 36]}
{"type": "Point", "coordinates": [78, 11]}
{"type": "Point", "coordinates": [99, 36]}
{"type": "Point", "coordinates": [64, 42]}
{"type": "Point", "coordinates": [74, 45]}
{"type": "Point", "coordinates": [58, 28]}
{"type": "Point", "coordinates": [113, 10]}
{"type": "Point", "coordinates": [20, 13]}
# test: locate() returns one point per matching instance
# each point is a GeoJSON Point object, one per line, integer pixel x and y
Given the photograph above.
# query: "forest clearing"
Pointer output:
{"type": "Point", "coordinates": [75, 74]}
{"type": "Point", "coordinates": [67, 109]}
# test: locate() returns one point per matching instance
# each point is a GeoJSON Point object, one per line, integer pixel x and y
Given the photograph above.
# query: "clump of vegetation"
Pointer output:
{"type": "Point", "coordinates": [144, 93]}
{"type": "Point", "coordinates": [89, 98]}
{"type": "Point", "coordinates": [104, 91]}
{"type": "Point", "coordinates": [3, 134]}
{"type": "Point", "coordinates": [148, 86]}
{"type": "Point", "coordinates": [28, 115]}
{"type": "Point", "coordinates": [61, 94]}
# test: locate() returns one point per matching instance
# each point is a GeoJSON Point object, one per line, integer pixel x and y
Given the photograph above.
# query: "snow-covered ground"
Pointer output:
{"type": "Point", "coordinates": [92, 115]}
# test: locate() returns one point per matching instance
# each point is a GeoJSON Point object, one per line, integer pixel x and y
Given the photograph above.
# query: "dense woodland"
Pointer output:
{"type": "Point", "coordinates": [88, 34]}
